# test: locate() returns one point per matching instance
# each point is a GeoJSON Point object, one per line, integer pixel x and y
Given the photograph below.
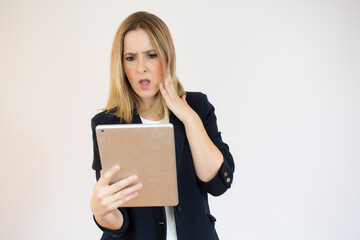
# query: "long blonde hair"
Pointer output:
{"type": "Point", "coordinates": [122, 98]}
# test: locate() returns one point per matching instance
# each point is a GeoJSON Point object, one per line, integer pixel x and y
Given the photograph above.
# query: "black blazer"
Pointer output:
{"type": "Point", "coordinates": [192, 215]}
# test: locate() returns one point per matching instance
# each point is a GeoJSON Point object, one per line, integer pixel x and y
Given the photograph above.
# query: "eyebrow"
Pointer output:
{"type": "Point", "coordinates": [146, 52]}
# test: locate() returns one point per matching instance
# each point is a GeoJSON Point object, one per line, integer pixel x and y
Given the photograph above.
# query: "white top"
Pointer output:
{"type": "Point", "coordinates": [169, 211]}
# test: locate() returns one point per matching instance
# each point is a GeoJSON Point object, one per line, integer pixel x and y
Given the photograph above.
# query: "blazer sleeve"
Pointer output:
{"type": "Point", "coordinates": [223, 179]}
{"type": "Point", "coordinates": [114, 234]}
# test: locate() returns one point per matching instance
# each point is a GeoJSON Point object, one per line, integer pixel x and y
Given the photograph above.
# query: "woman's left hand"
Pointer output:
{"type": "Point", "coordinates": [176, 104]}
{"type": "Point", "coordinates": [206, 156]}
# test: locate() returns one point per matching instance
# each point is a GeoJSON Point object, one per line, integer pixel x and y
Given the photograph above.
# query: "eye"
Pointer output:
{"type": "Point", "coordinates": [152, 55]}
{"type": "Point", "coordinates": [130, 58]}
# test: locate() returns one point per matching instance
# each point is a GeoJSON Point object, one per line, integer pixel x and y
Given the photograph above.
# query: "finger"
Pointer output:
{"type": "Point", "coordinates": [172, 85]}
{"type": "Point", "coordinates": [122, 201]}
{"type": "Point", "coordinates": [183, 97]}
{"type": "Point", "coordinates": [163, 92]}
{"type": "Point", "coordinates": [162, 89]}
{"type": "Point", "coordinates": [112, 198]}
{"type": "Point", "coordinates": [167, 82]}
{"type": "Point", "coordinates": [168, 73]}
{"type": "Point", "coordinates": [106, 177]}
{"type": "Point", "coordinates": [119, 185]}
{"type": "Point", "coordinates": [170, 89]}
{"type": "Point", "coordinates": [168, 76]}
{"type": "Point", "coordinates": [127, 191]}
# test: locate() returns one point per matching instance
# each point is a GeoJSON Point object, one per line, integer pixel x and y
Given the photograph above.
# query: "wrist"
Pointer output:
{"type": "Point", "coordinates": [113, 220]}
{"type": "Point", "coordinates": [191, 118]}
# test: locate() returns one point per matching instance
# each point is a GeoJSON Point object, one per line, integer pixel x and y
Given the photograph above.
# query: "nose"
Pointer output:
{"type": "Point", "coordinates": [141, 66]}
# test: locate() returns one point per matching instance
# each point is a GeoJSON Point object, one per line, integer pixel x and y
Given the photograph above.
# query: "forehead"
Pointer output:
{"type": "Point", "coordinates": [137, 41]}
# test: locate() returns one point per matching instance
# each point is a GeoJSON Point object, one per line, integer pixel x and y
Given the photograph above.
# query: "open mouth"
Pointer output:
{"type": "Point", "coordinates": [144, 83]}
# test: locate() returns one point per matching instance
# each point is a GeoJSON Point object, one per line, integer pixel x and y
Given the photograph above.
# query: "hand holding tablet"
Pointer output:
{"type": "Point", "coordinates": [107, 198]}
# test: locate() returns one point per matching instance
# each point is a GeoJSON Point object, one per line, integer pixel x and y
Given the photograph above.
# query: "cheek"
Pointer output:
{"type": "Point", "coordinates": [127, 69]}
{"type": "Point", "coordinates": [158, 69]}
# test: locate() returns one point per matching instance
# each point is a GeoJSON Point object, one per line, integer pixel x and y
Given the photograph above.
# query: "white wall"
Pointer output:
{"type": "Point", "coordinates": [284, 78]}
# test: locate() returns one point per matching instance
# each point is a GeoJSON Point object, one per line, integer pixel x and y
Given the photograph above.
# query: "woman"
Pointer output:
{"type": "Point", "coordinates": [144, 89]}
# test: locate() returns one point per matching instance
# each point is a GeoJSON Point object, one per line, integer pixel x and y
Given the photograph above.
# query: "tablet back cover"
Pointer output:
{"type": "Point", "coordinates": [147, 151]}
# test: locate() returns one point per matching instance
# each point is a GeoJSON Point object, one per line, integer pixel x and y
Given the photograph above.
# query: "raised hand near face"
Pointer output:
{"type": "Point", "coordinates": [176, 104]}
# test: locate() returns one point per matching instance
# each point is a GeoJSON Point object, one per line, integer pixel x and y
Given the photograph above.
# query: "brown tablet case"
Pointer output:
{"type": "Point", "coordinates": [147, 151]}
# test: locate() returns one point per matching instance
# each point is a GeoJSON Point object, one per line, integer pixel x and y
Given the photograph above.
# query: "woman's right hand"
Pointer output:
{"type": "Point", "coordinates": [107, 198]}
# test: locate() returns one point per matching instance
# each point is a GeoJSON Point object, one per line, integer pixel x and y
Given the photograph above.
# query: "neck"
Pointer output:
{"type": "Point", "coordinates": [146, 110]}
{"type": "Point", "coordinates": [147, 103]}
{"type": "Point", "coordinates": [149, 116]}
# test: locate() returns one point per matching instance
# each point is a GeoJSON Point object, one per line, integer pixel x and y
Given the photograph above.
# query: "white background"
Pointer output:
{"type": "Point", "coordinates": [284, 77]}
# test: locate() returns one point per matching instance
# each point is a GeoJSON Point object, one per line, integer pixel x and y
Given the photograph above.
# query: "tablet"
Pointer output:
{"type": "Point", "coordinates": [147, 151]}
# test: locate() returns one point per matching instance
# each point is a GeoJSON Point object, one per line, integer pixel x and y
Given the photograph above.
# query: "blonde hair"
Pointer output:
{"type": "Point", "coordinates": [122, 98]}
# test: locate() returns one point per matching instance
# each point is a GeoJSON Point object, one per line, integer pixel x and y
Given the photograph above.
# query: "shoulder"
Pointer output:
{"type": "Point", "coordinates": [196, 99]}
{"type": "Point", "coordinates": [199, 102]}
{"type": "Point", "coordinates": [104, 117]}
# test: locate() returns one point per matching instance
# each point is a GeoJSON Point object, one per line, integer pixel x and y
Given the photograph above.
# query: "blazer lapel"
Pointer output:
{"type": "Point", "coordinates": [180, 137]}
{"type": "Point", "coordinates": [136, 117]}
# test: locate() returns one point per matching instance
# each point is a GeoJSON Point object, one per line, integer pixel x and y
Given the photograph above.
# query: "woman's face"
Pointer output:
{"type": "Point", "coordinates": [142, 65]}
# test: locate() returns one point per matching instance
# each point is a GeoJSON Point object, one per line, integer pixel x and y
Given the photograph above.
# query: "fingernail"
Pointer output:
{"type": "Point", "coordinates": [134, 177]}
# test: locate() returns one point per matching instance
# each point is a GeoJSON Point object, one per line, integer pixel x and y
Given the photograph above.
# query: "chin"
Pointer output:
{"type": "Point", "coordinates": [147, 95]}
